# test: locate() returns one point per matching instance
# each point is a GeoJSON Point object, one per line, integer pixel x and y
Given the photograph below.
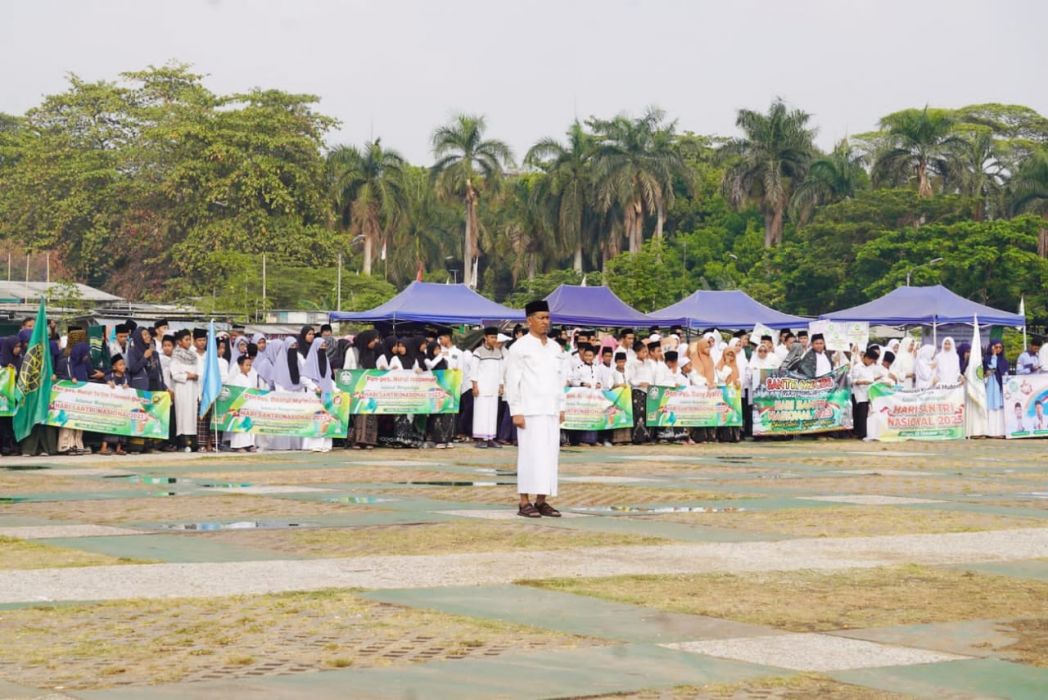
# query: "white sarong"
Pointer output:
{"type": "Point", "coordinates": [485, 417]}
{"type": "Point", "coordinates": [538, 455]}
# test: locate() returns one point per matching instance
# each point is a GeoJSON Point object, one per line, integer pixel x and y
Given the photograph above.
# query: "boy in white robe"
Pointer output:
{"type": "Point", "coordinates": [486, 380]}
{"type": "Point", "coordinates": [185, 376]}
{"type": "Point", "coordinates": [243, 375]}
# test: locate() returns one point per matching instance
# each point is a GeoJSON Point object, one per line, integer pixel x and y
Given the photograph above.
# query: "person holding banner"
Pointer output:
{"type": "Point", "coordinates": [584, 374]}
{"type": "Point", "coordinates": [118, 380]}
{"type": "Point", "coordinates": [902, 368]}
{"type": "Point", "coordinates": [535, 392]}
{"type": "Point", "coordinates": [365, 356]}
{"type": "Point", "coordinates": [243, 375]}
{"type": "Point", "coordinates": [862, 375]}
{"type": "Point", "coordinates": [316, 376]}
{"type": "Point", "coordinates": [641, 373]}
{"type": "Point", "coordinates": [728, 375]}
{"type": "Point", "coordinates": [924, 368]}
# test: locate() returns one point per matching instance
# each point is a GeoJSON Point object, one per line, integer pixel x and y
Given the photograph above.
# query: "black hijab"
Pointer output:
{"type": "Point", "coordinates": [366, 356]}
{"type": "Point", "coordinates": [292, 365]}
{"type": "Point", "coordinates": [303, 344]}
{"type": "Point", "coordinates": [433, 352]}
{"type": "Point", "coordinates": [7, 352]}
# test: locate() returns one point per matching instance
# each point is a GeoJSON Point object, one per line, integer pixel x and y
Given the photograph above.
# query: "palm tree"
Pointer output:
{"type": "Point", "coordinates": [465, 162]}
{"type": "Point", "coordinates": [771, 157]}
{"type": "Point", "coordinates": [917, 142]}
{"type": "Point", "coordinates": [831, 178]}
{"type": "Point", "coordinates": [635, 163]}
{"type": "Point", "coordinates": [978, 170]}
{"type": "Point", "coordinates": [1029, 193]}
{"type": "Point", "coordinates": [570, 184]}
{"type": "Point", "coordinates": [368, 192]}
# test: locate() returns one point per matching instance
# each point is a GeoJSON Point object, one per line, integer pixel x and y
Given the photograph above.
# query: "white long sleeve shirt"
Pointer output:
{"type": "Point", "coordinates": [587, 376]}
{"type": "Point", "coordinates": [534, 379]}
{"type": "Point", "coordinates": [867, 375]}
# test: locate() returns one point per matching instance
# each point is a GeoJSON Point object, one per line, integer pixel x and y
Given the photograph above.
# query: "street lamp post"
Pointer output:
{"type": "Point", "coordinates": [909, 272]}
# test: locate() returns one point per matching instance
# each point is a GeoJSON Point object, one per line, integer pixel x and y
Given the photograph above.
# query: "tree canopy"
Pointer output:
{"type": "Point", "coordinates": [156, 188]}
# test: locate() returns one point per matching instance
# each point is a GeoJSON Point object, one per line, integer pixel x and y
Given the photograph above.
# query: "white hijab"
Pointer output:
{"type": "Point", "coordinates": [922, 368]}
{"type": "Point", "coordinates": [902, 367]}
{"type": "Point", "coordinates": [948, 364]}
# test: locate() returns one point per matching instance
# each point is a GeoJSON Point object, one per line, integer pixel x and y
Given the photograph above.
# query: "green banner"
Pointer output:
{"type": "Point", "coordinates": [926, 414]}
{"type": "Point", "coordinates": [794, 405]}
{"type": "Point", "coordinates": [597, 409]}
{"type": "Point", "coordinates": [100, 408]}
{"type": "Point", "coordinates": [401, 391]}
{"type": "Point", "coordinates": [694, 407]}
{"type": "Point", "coordinates": [296, 414]}
{"type": "Point", "coordinates": [8, 391]}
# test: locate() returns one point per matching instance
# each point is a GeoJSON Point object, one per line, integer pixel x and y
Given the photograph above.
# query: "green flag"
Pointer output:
{"type": "Point", "coordinates": [34, 379]}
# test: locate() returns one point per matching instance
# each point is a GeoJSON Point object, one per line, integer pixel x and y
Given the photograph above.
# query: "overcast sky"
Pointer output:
{"type": "Point", "coordinates": [398, 69]}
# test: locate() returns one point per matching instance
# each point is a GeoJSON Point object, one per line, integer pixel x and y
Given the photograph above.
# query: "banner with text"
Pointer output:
{"type": "Point", "coordinates": [291, 413]}
{"type": "Point", "coordinates": [9, 394]}
{"type": "Point", "coordinates": [694, 407]}
{"type": "Point", "coordinates": [841, 335]}
{"type": "Point", "coordinates": [925, 414]}
{"type": "Point", "coordinates": [376, 391]}
{"type": "Point", "coordinates": [597, 409]}
{"type": "Point", "coordinates": [793, 405]}
{"type": "Point", "coordinates": [1026, 406]}
{"type": "Point", "coordinates": [100, 408]}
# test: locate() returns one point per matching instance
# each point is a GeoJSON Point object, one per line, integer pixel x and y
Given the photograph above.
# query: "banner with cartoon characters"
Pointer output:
{"type": "Point", "coordinates": [694, 407]}
{"type": "Point", "coordinates": [100, 408]}
{"type": "Point", "coordinates": [597, 409]}
{"type": "Point", "coordinates": [292, 413]}
{"type": "Point", "coordinates": [376, 391]}
{"type": "Point", "coordinates": [1026, 406]}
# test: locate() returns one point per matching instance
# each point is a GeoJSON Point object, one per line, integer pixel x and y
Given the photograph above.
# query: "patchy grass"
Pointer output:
{"type": "Point", "coordinates": [335, 475]}
{"type": "Point", "coordinates": [818, 601]}
{"type": "Point", "coordinates": [571, 494]}
{"type": "Point", "coordinates": [24, 554]}
{"type": "Point", "coordinates": [854, 521]}
{"type": "Point", "coordinates": [429, 538]}
{"type": "Point", "coordinates": [801, 686]}
{"type": "Point", "coordinates": [1032, 647]}
{"type": "Point", "coordinates": [179, 509]}
{"type": "Point", "coordinates": [156, 641]}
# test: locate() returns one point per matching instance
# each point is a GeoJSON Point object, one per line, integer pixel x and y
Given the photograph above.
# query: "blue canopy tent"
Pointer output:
{"type": "Point", "coordinates": [725, 309]}
{"type": "Point", "coordinates": [912, 306]}
{"type": "Point", "coordinates": [573, 305]}
{"type": "Point", "coordinates": [428, 302]}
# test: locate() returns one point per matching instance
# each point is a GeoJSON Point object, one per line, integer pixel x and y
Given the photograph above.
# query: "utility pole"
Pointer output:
{"type": "Point", "coordinates": [338, 303]}
{"type": "Point", "coordinates": [25, 299]}
{"type": "Point", "coordinates": [264, 316]}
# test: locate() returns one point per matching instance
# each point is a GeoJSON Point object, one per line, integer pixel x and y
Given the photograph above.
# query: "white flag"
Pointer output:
{"type": "Point", "coordinates": [975, 415]}
{"type": "Point", "coordinates": [1022, 306]}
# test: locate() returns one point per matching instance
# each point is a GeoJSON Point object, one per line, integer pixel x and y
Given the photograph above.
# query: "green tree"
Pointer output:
{"type": "Point", "coordinates": [1029, 193]}
{"type": "Point", "coordinates": [368, 192]}
{"type": "Point", "coordinates": [466, 162]}
{"type": "Point", "coordinates": [634, 166]}
{"type": "Point", "coordinates": [831, 178]}
{"type": "Point", "coordinates": [570, 170]}
{"type": "Point", "coordinates": [977, 169]}
{"type": "Point", "coordinates": [916, 143]}
{"type": "Point", "coordinates": [769, 160]}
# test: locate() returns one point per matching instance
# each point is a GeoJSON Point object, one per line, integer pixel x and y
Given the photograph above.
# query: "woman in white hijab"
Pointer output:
{"type": "Point", "coordinates": [902, 368]}
{"type": "Point", "coordinates": [948, 364]}
{"type": "Point", "coordinates": [924, 367]}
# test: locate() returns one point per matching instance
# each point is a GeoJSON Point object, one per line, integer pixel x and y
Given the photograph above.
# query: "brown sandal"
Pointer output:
{"type": "Point", "coordinates": [547, 510]}
{"type": "Point", "coordinates": [529, 511]}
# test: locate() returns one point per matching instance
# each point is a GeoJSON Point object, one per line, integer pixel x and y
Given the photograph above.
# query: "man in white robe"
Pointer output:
{"type": "Point", "coordinates": [185, 375]}
{"type": "Point", "coordinates": [535, 392]}
{"type": "Point", "coordinates": [486, 373]}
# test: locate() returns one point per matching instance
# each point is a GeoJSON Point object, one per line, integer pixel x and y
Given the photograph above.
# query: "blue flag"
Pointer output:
{"type": "Point", "coordinates": [211, 381]}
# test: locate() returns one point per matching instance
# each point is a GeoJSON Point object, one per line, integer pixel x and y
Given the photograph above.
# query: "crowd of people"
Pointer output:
{"type": "Point", "coordinates": [150, 358]}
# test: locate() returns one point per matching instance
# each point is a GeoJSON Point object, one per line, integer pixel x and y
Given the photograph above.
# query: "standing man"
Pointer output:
{"type": "Point", "coordinates": [486, 380]}
{"type": "Point", "coordinates": [535, 392]}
